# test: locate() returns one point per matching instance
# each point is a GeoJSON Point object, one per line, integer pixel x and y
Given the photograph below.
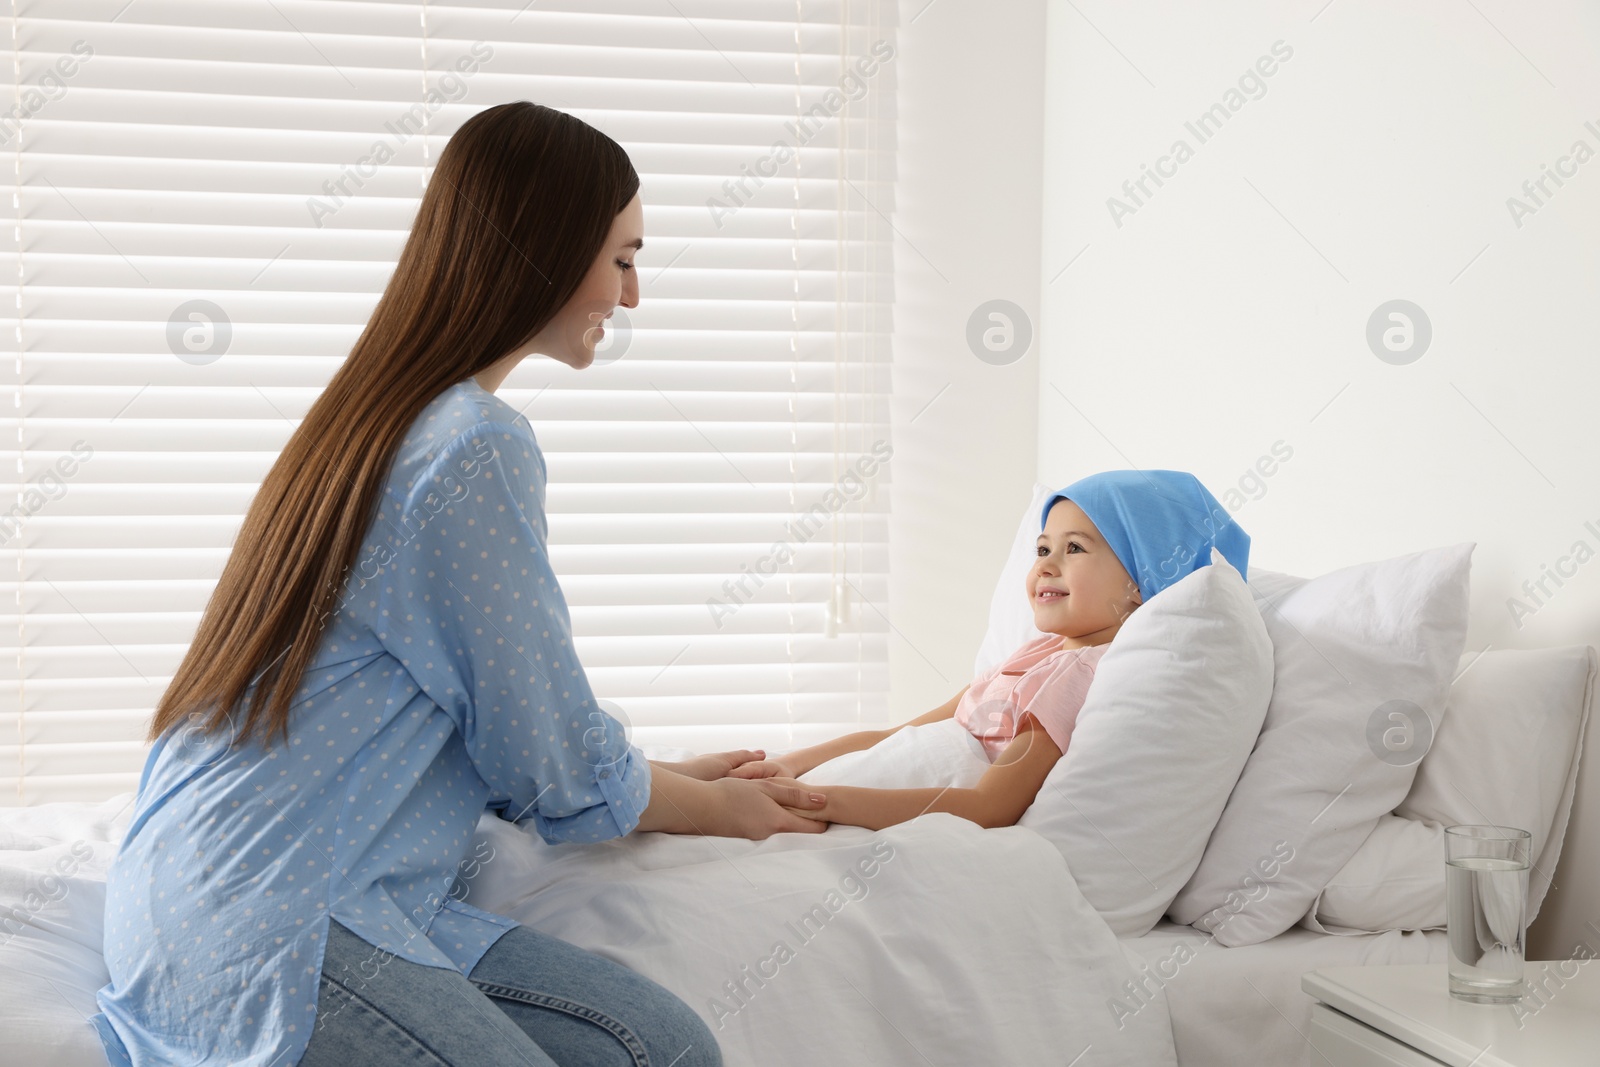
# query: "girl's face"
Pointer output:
{"type": "Point", "coordinates": [1074, 560]}
{"type": "Point", "coordinates": [571, 336]}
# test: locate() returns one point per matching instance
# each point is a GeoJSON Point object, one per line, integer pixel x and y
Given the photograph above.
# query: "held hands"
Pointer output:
{"type": "Point", "coordinates": [780, 769]}
{"type": "Point", "coordinates": [759, 796]}
{"type": "Point", "coordinates": [713, 765]}
{"type": "Point", "coordinates": [769, 767]}
{"type": "Point", "coordinates": [817, 812]}
{"type": "Point", "coordinates": [766, 806]}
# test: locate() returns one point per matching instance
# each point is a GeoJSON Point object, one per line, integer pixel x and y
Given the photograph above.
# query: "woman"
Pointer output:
{"type": "Point", "coordinates": [390, 612]}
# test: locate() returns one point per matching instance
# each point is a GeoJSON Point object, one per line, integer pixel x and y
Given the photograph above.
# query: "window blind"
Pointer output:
{"type": "Point", "coordinates": [208, 197]}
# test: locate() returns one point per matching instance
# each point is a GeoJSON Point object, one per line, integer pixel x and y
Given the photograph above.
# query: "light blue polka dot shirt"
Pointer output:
{"type": "Point", "coordinates": [445, 683]}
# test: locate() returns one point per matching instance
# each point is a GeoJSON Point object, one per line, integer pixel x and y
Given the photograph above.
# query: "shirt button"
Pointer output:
{"type": "Point", "coordinates": [606, 773]}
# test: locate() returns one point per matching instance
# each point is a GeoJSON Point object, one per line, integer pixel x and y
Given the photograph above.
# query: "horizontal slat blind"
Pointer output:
{"type": "Point", "coordinates": [724, 558]}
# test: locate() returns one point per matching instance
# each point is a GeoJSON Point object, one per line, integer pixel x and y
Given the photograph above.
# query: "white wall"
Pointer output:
{"type": "Point", "coordinates": [970, 96]}
{"type": "Point", "coordinates": [1229, 311]}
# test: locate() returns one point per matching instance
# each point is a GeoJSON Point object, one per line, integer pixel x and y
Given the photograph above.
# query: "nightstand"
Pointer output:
{"type": "Point", "coordinates": [1404, 1016]}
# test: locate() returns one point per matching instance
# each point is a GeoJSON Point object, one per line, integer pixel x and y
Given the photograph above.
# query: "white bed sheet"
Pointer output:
{"type": "Point", "coordinates": [1214, 1002]}
{"type": "Point", "coordinates": [1244, 1005]}
{"type": "Point", "coordinates": [53, 862]}
{"type": "Point", "coordinates": [965, 946]}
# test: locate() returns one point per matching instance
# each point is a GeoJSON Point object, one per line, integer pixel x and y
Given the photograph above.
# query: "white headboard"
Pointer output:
{"type": "Point", "coordinates": [1570, 914]}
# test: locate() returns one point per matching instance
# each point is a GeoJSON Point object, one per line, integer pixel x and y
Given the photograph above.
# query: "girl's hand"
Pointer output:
{"type": "Point", "coordinates": [714, 765]}
{"type": "Point", "coordinates": [761, 808]}
{"type": "Point", "coordinates": [820, 814]}
{"type": "Point", "coordinates": [770, 767]}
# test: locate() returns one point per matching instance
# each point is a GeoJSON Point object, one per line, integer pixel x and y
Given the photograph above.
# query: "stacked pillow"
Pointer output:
{"type": "Point", "coordinates": [1153, 809]}
{"type": "Point", "coordinates": [1363, 659]}
{"type": "Point", "coordinates": [1506, 753]}
{"type": "Point", "coordinates": [1335, 819]}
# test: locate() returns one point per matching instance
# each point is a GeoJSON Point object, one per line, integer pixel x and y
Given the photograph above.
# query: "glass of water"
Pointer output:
{"type": "Point", "coordinates": [1486, 897]}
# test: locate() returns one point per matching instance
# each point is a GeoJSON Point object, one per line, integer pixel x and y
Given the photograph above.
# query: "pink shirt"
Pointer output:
{"type": "Point", "coordinates": [1042, 679]}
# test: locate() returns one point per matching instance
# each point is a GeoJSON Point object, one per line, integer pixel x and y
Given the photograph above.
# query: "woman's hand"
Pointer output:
{"type": "Point", "coordinates": [770, 767]}
{"type": "Point", "coordinates": [727, 807]}
{"type": "Point", "coordinates": [758, 809]}
{"type": "Point", "coordinates": [714, 765]}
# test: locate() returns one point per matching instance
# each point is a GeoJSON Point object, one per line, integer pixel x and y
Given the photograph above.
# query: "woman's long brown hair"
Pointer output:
{"type": "Point", "coordinates": [517, 209]}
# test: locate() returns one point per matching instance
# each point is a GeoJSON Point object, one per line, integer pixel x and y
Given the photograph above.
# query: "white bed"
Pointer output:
{"type": "Point", "coordinates": [885, 972]}
{"type": "Point", "coordinates": [963, 945]}
{"type": "Point", "coordinates": [930, 942]}
{"type": "Point", "coordinates": [1212, 998]}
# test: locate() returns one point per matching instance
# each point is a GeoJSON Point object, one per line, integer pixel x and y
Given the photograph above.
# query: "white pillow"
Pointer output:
{"type": "Point", "coordinates": [1174, 707]}
{"type": "Point", "coordinates": [1506, 753]}
{"type": "Point", "coordinates": [1395, 881]}
{"type": "Point", "coordinates": [1512, 755]}
{"type": "Point", "coordinates": [1363, 659]}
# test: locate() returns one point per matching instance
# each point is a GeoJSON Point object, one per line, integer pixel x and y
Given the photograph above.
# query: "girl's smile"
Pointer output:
{"type": "Point", "coordinates": [1071, 549]}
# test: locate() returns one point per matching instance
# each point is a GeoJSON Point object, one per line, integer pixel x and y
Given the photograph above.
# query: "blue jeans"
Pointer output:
{"type": "Point", "coordinates": [531, 1000]}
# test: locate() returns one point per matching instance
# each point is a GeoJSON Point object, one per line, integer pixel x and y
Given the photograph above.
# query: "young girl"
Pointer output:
{"type": "Point", "coordinates": [1097, 533]}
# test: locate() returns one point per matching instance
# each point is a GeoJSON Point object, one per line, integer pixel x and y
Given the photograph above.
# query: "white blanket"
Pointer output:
{"type": "Point", "coordinates": [933, 754]}
{"type": "Point", "coordinates": [931, 942]}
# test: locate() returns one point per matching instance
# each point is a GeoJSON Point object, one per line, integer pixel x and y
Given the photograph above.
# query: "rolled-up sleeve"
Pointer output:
{"type": "Point", "coordinates": [470, 606]}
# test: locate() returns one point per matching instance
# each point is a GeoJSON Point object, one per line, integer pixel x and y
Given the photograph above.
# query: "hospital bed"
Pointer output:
{"type": "Point", "coordinates": [961, 945]}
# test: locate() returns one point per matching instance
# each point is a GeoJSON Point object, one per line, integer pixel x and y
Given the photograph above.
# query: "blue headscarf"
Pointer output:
{"type": "Point", "coordinates": [1162, 525]}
